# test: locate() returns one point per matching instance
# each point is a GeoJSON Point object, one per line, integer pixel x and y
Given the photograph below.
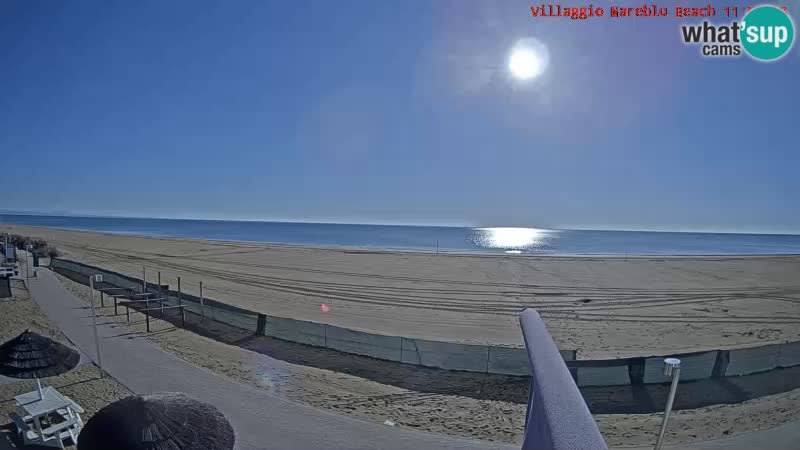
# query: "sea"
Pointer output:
{"type": "Point", "coordinates": [511, 240]}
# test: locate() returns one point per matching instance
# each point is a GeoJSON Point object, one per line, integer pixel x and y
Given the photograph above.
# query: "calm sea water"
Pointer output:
{"type": "Point", "coordinates": [510, 240]}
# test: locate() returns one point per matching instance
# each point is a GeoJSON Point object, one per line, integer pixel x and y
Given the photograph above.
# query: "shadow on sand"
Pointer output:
{"type": "Point", "coordinates": [600, 399]}
{"type": "Point", "coordinates": [424, 381]}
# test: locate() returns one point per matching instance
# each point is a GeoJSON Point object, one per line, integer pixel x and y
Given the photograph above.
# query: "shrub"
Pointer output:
{"type": "Point", "coordinates": [21, 241]}
{"type": "Point", "coordinates": [39, 244]}
{"type": "Point", "coordinates": [53, 252]}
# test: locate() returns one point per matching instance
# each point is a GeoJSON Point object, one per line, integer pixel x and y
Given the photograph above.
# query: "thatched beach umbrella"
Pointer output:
{"type": "Point", "coordinates": [31, 355]}
{"type": "Point", "coordinates": [163, 421]}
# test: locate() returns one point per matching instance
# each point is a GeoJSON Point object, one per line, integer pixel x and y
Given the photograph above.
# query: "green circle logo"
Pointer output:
{"type": "Point", "coordinates": [767, 33]}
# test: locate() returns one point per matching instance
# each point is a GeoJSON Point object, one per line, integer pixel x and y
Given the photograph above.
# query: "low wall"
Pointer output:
{"type": "Point", "coordinates": [694, 366]}
{"type": "Point", "coordinates": [454, 356]}
{"type": "Point", "coordinates": [442, 355]}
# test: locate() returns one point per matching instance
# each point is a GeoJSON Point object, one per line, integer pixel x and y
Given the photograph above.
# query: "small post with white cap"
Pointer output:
{"type": "Point", "coordinates": [672, 366]}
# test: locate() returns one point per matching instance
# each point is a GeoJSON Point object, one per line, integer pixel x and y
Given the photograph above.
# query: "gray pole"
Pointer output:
{"type": "Point", "coordinates": [144, 279]}
{"type": "Point", "coordinates": [672, 366]}
{"type": "Point", "coordinates": [94, 324]}
{"type": "Point", "coordinates": [202, 308]}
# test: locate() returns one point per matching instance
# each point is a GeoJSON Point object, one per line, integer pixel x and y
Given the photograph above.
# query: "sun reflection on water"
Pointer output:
{"type": "Point", "coordinates": [513, 239]}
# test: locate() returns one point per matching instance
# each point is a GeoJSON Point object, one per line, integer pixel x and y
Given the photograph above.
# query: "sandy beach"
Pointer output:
{"type": "Point", "coordinates": [460, 414]}
{"type": "Point", "coordinates": [603, 307]}
{"type": "Point", "coordinates": [479, 415]}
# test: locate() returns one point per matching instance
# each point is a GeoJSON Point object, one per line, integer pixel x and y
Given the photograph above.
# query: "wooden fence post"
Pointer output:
{"type": "Point", "coordinates": [202, 307]}
{"type": "Point", "coordinates": [636, 370]}
{"type": "Point", "coordinates": [160, 296]}
{"type": "Point", "coordinates": [261, 326]}
{"type": "Point", "coordinates": [180, 303]}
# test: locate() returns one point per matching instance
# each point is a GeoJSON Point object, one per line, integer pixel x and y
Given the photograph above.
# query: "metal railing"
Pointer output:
{"type": "Point", "coordinates": [557, 418]}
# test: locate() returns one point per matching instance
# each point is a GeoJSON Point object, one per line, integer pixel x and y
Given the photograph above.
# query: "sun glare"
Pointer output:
{"type": "Point", "coordinates": [528, 59]}
{"type": "Point", "coordinates": [510, 238]}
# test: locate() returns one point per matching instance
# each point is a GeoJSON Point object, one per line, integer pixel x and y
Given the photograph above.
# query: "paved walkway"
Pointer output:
{"type": "Point", "coordinates": [260, 420]}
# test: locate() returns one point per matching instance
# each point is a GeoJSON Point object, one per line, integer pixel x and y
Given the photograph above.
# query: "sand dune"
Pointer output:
{"type": "Point", "coordinates": [604, 307]}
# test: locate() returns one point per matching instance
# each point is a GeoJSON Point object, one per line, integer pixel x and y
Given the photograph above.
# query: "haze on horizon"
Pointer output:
{"type": "Point", "coordinates": [365, 113]}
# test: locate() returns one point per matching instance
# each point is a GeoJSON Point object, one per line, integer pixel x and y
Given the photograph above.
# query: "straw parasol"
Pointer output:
{"type": "Point", "coordinates": [31, 355]}
{"type": "Point", "coordinates": [162, 421]}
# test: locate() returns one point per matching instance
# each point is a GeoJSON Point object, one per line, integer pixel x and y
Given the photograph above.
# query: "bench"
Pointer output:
{"type": "Point", "coordinates": [76, 408]}
{"type": "Point", "coordinates": [57, 432]}
{"type": "Point", "coordinates": [22, 427]}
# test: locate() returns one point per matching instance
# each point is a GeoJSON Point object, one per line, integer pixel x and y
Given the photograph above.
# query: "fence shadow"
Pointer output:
{"type": "Point", "coordinates": [627, 399]}
{"type": "Point", "coordinates": [406, 376]}
{"type": "Point", "coordinates": [648, 398]}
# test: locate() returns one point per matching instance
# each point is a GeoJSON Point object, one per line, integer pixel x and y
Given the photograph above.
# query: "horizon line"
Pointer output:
{"type": "Point", "coordinates": [329, 222]}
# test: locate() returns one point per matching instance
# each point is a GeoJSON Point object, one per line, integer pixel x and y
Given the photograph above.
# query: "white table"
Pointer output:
{"type": "Point", "coordinates": [34, 406]}
{"type": "Point", "coordinates": [50, 402]}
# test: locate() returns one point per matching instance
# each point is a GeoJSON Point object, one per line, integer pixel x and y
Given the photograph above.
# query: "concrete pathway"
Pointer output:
{"type": "Point", "coordinates": [260, 420]}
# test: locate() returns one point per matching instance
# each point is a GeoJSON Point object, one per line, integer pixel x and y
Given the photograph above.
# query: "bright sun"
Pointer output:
{"type": "Point", "coordinates": [528, 59]}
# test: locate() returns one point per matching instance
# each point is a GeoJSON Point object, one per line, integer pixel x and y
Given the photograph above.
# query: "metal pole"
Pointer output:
{"type": "Point", "coordinates": [102, 300]}
{"type": "Point", "coordinates": [144, 279]}
{"type": "Point", "coordinates": [94, 325]}
{"type": "Point", "coordinates": [179, 291]}
{"type": "Point", "coordinates": [672, 366]}
{"type": "Point", "coordinates": [147, 319]}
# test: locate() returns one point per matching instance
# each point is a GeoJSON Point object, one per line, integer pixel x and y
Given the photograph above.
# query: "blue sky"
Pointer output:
{"type": "Point", "coordinates": [387, 112]}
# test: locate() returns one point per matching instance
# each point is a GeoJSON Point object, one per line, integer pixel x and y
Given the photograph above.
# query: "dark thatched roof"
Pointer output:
{"type": "Point", "coordinates": [163, 421]}
{"type": "Point", "coordinates": [31, 355]}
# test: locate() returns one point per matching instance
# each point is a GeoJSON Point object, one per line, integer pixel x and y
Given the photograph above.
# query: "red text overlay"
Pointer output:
{"type": "Point", "coordinates": [652, 10]}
